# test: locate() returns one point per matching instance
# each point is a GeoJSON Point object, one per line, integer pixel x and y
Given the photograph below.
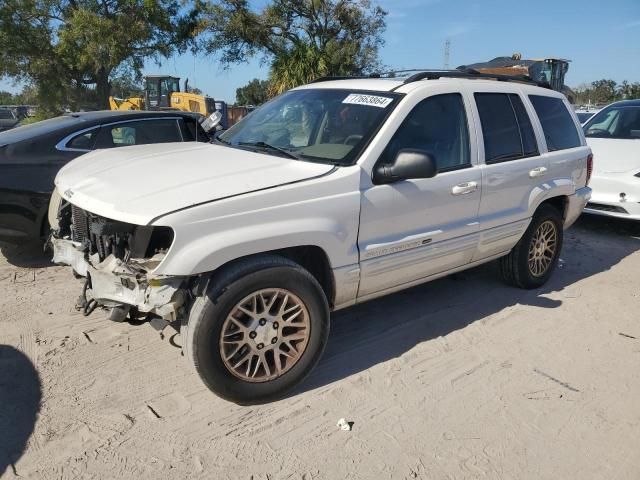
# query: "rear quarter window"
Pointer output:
{"type": "Point", "coordinates": [557, 123]}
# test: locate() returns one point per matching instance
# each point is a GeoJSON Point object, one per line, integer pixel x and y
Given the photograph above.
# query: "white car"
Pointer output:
{"type": "Point", "coordinates": [614, 136]}
{"type": "Point", "coordinates": [330, 195]}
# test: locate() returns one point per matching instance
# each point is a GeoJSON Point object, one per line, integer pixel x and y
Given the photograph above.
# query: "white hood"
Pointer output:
{"type": "Point", "coordinates": [137, 184]}
{"type": "Point", "coordinates": [612, 155]}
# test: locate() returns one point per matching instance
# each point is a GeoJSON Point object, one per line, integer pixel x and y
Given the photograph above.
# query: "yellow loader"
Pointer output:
{"type": "Point", "coordinates": [162, 92]}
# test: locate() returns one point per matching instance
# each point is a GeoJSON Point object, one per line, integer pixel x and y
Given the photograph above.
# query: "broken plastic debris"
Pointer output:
{"type": "Point", "coordinates": [344, 425]}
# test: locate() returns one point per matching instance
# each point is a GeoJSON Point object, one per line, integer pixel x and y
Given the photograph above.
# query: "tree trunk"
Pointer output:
{"type": "Point", "coordinates": [103, 89]}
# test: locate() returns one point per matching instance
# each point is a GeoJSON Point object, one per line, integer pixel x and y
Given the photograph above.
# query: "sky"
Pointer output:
{"type": "Point", "coordinates": [601, 38]}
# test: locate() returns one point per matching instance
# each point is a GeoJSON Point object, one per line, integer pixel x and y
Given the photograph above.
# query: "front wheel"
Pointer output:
{"type": "Point", "coordinates": [532, 261]}
{"type": "Point", "coordinates": [258, 331]}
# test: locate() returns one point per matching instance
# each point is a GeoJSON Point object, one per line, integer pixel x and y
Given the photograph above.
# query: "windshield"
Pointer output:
{"type": "Point", "coordinates": [584, 116]}
{"type": "Point", "coordinates": [615, 122]}
{"type": "Point", "coordinates": [324, 125]}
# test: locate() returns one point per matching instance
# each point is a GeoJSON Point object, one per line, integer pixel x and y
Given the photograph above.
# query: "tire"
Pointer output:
{"type": "Point", "coordinates": [516, 269]}
{"type": "Point", "coordinates": [287, 287]}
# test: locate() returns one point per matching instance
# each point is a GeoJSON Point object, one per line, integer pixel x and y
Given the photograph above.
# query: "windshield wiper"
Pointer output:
{"type": "Point", "coordinates": [266, 146]}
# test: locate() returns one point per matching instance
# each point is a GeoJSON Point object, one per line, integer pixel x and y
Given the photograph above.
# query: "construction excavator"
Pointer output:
{"type": "Point", "coordinates": [162, 92]}
{"type": "Point", "coordinates": [550, 71]}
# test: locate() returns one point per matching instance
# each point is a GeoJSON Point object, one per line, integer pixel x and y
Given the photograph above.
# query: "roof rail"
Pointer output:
{"type": "Point", "coordinates": [328, 79]}
{"type": "Point", "coordinates": [471, 73]}
{"type": "Point", "coordinates": [426, 74]}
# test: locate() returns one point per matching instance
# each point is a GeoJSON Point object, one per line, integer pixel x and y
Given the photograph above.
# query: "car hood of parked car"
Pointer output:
{"type": "Point", "coordinates": [140, 183]}
{"type": "Point", "coordinates": [613, 155]}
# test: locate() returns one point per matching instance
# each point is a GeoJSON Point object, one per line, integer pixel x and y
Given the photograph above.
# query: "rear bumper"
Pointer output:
{"type": "Point", "coordinates": [116, 283]}
{"type": "Point", "coordinates": [576, 205]}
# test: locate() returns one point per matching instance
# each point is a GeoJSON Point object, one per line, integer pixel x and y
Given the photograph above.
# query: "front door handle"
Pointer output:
{"type": "Point", "coordinates": [464, 188]}
{"type": "Point", "coordinates": [538, 172]}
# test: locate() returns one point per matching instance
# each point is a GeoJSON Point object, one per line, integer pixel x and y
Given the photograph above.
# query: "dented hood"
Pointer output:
{"type": "Point", "coordinates": [140, 183]}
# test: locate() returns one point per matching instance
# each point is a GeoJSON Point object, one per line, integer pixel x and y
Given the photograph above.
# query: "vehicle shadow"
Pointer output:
{"type": "Point", "coordinates": [20, 396]}
{"type": "Point", "coordinates": [27, 255]}
{"type": "Point", "coordinates": [380, 330]}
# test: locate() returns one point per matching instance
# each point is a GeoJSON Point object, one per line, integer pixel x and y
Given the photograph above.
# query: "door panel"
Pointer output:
{"type": "Point", "coordinates": [416, 228]}
{"type": "Point", "coordinates": [514, 173]}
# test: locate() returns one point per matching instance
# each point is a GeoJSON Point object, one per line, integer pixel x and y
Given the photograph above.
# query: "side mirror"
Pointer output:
{"type": "Point", "coordinates": [408, 164]}
{"type": "Point", "coordinates": [212, 121]}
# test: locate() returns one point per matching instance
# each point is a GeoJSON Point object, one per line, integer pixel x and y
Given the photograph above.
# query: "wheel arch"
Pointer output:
{"type": "Point", "coordinates": [312, 258]}
{"type": "Point", "coordinates": [560, 203]}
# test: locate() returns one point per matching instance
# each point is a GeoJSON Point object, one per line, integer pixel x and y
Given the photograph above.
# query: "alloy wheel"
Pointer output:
{"type": "Point", "coordinates": [542, 248]}
{"type": "Point", "coordinates": [264, 335]}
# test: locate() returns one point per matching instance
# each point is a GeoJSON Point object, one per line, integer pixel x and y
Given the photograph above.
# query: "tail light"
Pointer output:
{"type": "Point", "coordinates": [589, 167]}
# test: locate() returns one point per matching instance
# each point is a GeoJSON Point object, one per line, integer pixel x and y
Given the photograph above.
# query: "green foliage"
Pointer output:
{"type": "Point", "coordinates": [253, 93]}
{"type": "Point", "coordinates": [7, 98]}
{"type": "Point", "coordinates": [26, 97]}
{"type": "Point", "coordinates": [605, 91]}
{"type": "Point", "coordinates": [126, 82]}
{"type": "Point", "coordinates": [69, 49]}
{"type": "Point", "coordinates": [301, 39]}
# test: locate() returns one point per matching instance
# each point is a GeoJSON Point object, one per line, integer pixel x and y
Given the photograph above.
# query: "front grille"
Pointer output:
{"type": "Point", "coordinates": [104, 237]}
{"type": "Point", "coordinates": [100, 235]}
{"type": "Point", "coordinates": [606, 208]}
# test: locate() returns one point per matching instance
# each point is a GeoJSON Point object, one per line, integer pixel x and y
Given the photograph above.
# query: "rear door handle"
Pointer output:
{"type": "Point", "coordinates": [538, 172]}
{"type": "Point", "coordinates": [464, 188]}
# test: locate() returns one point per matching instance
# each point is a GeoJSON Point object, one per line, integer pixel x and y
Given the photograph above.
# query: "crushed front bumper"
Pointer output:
{"type": "Point", "coordinates": [115, 283]}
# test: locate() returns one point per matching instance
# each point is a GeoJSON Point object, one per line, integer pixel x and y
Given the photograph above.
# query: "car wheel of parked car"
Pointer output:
{"type": "Point", "coordinates": [533, 259]}
{"type": "Point", "coordinates": [258, 330]}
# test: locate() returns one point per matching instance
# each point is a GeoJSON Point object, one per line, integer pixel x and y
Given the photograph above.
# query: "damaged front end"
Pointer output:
{"type": "Point", "coordinates": [118, 260]}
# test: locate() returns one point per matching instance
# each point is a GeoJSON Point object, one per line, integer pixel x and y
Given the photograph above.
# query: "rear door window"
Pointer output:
{"type": "Point", "coordinates": [557, 123]}
{"type": "Point", "coordinates": [140, 132]}
{"type": "Point", "coordinates": [506, 127]}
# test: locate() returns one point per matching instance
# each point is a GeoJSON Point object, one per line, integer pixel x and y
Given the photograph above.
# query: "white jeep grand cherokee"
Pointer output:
{"type": "Point", "coordinates": [331, 194]}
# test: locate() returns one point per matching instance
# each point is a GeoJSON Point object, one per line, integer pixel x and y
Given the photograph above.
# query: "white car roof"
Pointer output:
{"type": "Point", "coordinates": [397, 84]}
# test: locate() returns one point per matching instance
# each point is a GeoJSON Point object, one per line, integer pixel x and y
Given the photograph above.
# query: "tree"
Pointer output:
{"type": "Point", "coordinates": [253, 93]}
{"type": "Point", "coordinates": [604, 91]}
{"type": "Point", "coordinates": [126, 83]}
{"type": "Point", "coordinates": [7, 98]}
{"type": "Point", "coordinates": [629, 91]}
{"type": "Point", "coordinates": [301, 39]}
{"type": "Point", "coordinates": [69, 49]}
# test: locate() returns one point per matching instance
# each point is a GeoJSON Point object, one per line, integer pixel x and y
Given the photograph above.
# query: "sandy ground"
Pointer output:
{"type": "Point", "coordinates": [459, 378]}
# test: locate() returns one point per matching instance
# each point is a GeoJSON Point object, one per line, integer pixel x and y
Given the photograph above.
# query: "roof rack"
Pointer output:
{"type": "Point", "coordinates": [427, 74]}
{"type": "Point", "coordinates": [471, 73]}
{"type": "Point", "coordinates": [361, 77]}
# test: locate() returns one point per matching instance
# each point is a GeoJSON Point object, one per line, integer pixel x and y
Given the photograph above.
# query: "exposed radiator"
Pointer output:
{"type": "Point", "coordinates": [80, 224]}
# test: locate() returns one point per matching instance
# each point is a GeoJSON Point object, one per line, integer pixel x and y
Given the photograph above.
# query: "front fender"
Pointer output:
{"type": "Point", "coordinates": [322, 213]}
{"type": "Point", "coordinates": [209, 252]}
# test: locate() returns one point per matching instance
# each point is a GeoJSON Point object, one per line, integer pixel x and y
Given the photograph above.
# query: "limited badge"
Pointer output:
{"type": "Point", "coordinates": [371, 100]}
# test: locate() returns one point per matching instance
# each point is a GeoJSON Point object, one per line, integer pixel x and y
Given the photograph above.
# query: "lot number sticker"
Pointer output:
{"type": "Point", "coordinates": [371, 100]}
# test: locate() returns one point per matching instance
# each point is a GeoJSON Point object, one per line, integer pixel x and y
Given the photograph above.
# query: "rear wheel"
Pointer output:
{"type": "Point", "coordinates": [532, 261]}
{"type": "Point", "coordinates": [258, 331]}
